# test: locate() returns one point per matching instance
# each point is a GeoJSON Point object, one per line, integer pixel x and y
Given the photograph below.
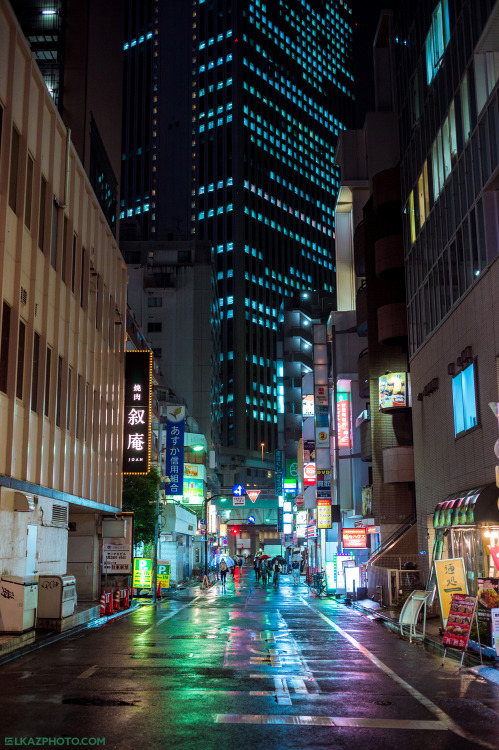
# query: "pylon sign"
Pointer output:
{"type": "Point", "coordinates": [253, 495]}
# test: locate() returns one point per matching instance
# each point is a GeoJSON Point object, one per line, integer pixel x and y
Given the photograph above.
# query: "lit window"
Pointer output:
{"type": "Point", "coordinates": [464, 400]}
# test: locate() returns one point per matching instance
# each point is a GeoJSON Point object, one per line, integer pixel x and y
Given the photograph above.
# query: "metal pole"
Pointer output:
{"type": "Point", "coordinates": [155, 553]}
{"type": "Point", "coordinates": [206, 536]}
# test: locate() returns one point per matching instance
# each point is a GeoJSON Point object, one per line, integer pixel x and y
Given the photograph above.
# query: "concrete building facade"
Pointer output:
{"type": "Point", "coordinates": [63, 303]}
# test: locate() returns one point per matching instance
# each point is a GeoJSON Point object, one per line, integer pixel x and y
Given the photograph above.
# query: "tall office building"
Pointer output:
{"type": "Point", "coordinates": [247, 100]}
{"type": "Point", "coordinates": [70, 40]}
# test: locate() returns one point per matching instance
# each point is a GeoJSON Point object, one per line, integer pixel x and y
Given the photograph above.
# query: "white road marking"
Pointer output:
{"type": "Point", "coordinates": [168, 616]}
{"type": "Point", "coordinates": [298, 683]}
{"type": "Point", "coordinates": [426, 702]}
{"type": "Point", "coordinates": [88, 672]}
{"type": "Point", "coordinates": [282, 692]}
{"type": "Point", "coordinates": [330, 721]}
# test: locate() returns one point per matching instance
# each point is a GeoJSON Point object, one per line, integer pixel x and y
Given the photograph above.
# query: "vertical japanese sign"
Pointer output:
{"type": "Point", "coordinates": [278, 472]}
{"type": "Point", "coordinates": [137, 427]}
{"type": "Point", "coordinates": [174, 454]}
{"type": "Point", "coordinates": [343, 412]}
{"type": "Point", "coordinates": [451, 579]}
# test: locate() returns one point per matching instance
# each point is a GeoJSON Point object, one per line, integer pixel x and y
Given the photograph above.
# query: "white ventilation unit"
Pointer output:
{"type": "Point", "coordinates": [59, 515]}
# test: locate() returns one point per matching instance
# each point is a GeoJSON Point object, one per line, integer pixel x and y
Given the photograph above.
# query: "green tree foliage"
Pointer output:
{"type": "Point", "coordinates": [139, 495]}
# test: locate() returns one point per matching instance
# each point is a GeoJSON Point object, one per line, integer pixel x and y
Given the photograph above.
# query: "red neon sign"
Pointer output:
{"type": "Point", "coordinates": [343, 412]}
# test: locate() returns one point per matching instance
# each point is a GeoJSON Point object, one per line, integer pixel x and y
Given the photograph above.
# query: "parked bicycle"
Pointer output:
{"type": "Point", "coordinates": [318, 584]}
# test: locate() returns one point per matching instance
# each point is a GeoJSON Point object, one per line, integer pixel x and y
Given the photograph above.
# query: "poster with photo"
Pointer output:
{"type": "Point", "coordinates": [487, 600]}
{"type": "Point", "coordinates": [457, 630]}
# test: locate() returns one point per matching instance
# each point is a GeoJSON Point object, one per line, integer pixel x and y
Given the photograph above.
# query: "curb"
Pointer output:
{"type": "Point", "coordinates": [54, 637]}
{"type": "Point", "coordinates": [471, 661]}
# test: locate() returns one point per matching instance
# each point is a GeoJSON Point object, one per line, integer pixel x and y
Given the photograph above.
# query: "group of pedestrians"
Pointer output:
{"type": "Point", "coordinates": [265, 569]}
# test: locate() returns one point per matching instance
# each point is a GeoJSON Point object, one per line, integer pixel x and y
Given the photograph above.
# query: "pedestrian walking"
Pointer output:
{"type": "Point", "coordinates": [295, 569]}
{"type": "Point", "coordinates": [257, 570]}
{"type": "Point", "coordinates": [222, 569]}
{"type": "Point", "coordinates": [276, 568]}
{"type": "Point", "coordinates": [263, 572]}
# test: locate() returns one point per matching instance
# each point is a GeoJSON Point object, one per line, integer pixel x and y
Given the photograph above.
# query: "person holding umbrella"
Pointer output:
{"type": "Point", "coordinates": [222, 569]}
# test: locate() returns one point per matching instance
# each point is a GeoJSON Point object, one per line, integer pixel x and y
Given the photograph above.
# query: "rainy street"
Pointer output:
{"type": "Point", "coordinates": [249, 667]}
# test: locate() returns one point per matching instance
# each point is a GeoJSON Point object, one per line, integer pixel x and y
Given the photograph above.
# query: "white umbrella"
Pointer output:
{"type": "Point", "coordinates": [228, 560]}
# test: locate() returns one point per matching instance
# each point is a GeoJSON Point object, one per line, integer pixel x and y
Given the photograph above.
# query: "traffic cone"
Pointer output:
{"type": "Point", "coordinates": [117, 600]}
{"type": "Point", "coordinates": [158, 591]}
{"type": "Point", "coordinates": [126, 602]}
{"type": "Point", "coordinates": [110, 603]}
{"type": "Point", "coordinates": [103, 603]}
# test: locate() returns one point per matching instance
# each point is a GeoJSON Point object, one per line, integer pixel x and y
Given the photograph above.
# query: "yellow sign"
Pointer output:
{"type": "Point", "coordinates": [163, 574]}
{"type": "Point", "coordinates": [324, 514]}
{"type": "Point", "coordinates": [142, 573]}
{"type": "Point", "coordinates": [451, 579]}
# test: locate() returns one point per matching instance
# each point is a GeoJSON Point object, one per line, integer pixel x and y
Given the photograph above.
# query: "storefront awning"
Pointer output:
{"type": "Point", "coordinates": [471, 507]}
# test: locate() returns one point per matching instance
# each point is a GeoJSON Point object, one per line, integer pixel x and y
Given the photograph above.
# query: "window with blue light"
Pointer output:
{"type": "Point", "coordinates": [464, 400]}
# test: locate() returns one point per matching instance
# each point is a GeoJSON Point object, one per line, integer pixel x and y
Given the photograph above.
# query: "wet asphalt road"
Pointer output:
{"type": "Point", "coordinates": [249, 667]}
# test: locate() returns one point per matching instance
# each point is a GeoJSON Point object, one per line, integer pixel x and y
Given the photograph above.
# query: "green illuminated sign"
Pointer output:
{"type": "Point", "coordinates": [142, 573]}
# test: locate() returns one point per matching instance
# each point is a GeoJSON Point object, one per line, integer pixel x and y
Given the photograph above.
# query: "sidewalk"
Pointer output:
{"type": "Point", "coordinates": [489, 670]}
{"type": "Point", "coordinates": [13, 645]}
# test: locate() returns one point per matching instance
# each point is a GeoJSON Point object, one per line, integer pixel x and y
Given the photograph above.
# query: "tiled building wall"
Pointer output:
{"type": "Point", "coordinates": [445, 463]}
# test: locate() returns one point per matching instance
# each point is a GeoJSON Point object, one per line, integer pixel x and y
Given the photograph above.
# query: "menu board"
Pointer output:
{"type": "Point", "coordinates": [457, 630]}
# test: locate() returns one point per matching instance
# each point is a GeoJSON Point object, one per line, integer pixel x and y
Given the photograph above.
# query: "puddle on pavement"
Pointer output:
{"type": "Point", "coordinates": [97, 702]}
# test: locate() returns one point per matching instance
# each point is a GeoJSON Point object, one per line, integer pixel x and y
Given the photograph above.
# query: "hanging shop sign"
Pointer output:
{"type": "Point", "coordinates": [174, 453]}
{"type": "Point", "coordinates": [343, 416]}
{"type": "Point", "coordinates": [137, 422]}
{"type": "Point", "coordinates": [324, 519]}
{"type": "Point", "coordinates": [309, 475]}
{"type": "Point", "coordinates": [354, 538]}
{"type": "Point", "coordinates": [323, 477]}
{"type": "Point", "coordinates": [307, 408]}
{"type": "Point", "coordinates": [367, 500]}
{"type": "Point", "coordinates": [451, 579]}
{"type": "Point", "coordinates": [393, 391]}
{"type": "Point", "coordinates": [322, 437]}
{"type": "Point", "coordinates": [457, 629]}
{"type": "Point", "coordinates": [142, 573]}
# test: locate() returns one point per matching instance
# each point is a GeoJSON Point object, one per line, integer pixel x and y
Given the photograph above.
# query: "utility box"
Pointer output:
{"type": "Point", "coordinates": [56, 596]}
{"type": "Point", "coordinates": [18, 602]}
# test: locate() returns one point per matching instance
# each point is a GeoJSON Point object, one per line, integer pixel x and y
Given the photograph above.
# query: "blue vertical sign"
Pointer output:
{"type": "Point", "coordinates": [174, 454]}
{"type": "Point", "coordinates": [278, 472]}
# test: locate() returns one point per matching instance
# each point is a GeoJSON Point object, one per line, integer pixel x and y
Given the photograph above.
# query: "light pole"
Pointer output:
{"type": "Point", "coordinates": [208, 497]}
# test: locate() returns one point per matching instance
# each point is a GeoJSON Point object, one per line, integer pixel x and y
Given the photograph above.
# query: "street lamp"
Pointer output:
{"type": "Point", "coordinates": [196, 448]}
